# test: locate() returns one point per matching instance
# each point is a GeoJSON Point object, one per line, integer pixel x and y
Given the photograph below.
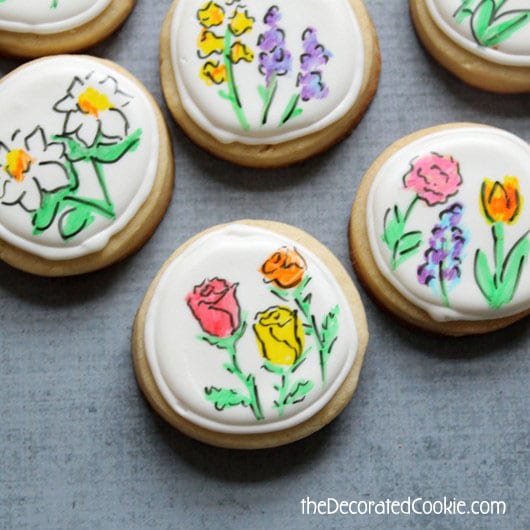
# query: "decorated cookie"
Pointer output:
{"type": "Point", "coordinates": [268, 84]}
{"type": "Point", "coordinates": [33, 28]}
{"type": "Point", "coordinates": [440, 229]}
{"type": "Point", "coordinates": [86, 169]}
{"type": "Point", "coordinates": [486, 43]}
{"type": "Point", "coordinates": [252, 335]}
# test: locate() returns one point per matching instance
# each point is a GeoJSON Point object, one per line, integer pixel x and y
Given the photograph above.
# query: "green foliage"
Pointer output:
{"type": "Point", "coordinates": [224, 398]}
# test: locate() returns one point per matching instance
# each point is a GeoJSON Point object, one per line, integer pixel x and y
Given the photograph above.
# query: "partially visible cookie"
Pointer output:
{"type": "Point", "coordinates": [440, 229]}
{"type": "Point", "coordinates": [86, 168]}
{"type": "Point", "coordinates": [484, 43]}
{"type": "Point", "coordinates": [268, 84]}
{"type": "Point", "coordinates": [251, 336]}
{"type": "Point", "coordinates": [34, 28]}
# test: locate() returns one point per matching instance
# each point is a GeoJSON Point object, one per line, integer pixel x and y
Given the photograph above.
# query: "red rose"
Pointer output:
{"type": "Point", "coordinates": [215, 306]}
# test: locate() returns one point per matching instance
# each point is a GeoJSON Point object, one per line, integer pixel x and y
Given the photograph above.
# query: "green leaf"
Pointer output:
{"type": "Point", "coordinates": [407, 246]}
{"type": "Point", "coordinates": [481, 19]}
{"type": "Point", "coordinates": [504, 30]}
{"type": "Point", "coordinates": [330, 332]}
{"type": "Point", "coordinates": [262, 91]}
{"type": "Point", "coordinates": [224, 398]}
{"type": "Point", "coordinates": [227, 342]}
{"type": "Point", "coordinates": [44, 217]}
{"type": "Point", "coordinates": [483, 276]}
{"type": "Point", "coordinates": [465, 10]}
{"type": "Point", "coordinates": [394, 227]}
{"type": "Point", "coordinates": [108, 154]}
{"type": "Point", "coordinates": [73, 221]}
{"type": "Point", "coordinates": [296, 113]}
{"type": "Point", "coordinates": [273, 368]}
{"type": "Point", "coordinates": [298, 392]}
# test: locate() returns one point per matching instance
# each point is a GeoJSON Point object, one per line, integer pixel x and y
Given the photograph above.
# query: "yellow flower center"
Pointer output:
{"type": "Point", "coordinates": [17, 164]}
{"type": "Point", "coordinates": [93, 102]}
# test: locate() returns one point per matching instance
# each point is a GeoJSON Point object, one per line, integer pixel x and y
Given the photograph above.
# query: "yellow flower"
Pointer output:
{"type": "Point", "coordinates": [241, 22]}
{"type": "Point", "coordinates": [209, 43]}
{"type": "Point", "coordinates": [280, 335]}
{"type": "Point", "coordinates": [211, 14]}
{"type": "Point", "coordinates": [93, 102]}
{"type": "Point", "coordinates": [241, 52]}
{"type": "Point", "coordinates": [213, 73]}
{"type": "Point", "coordinates": [501, 202]}
{"type": "Point", "coordinates": [18, 163]}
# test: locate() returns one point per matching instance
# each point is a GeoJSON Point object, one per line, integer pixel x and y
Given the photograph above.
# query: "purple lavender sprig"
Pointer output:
{"type": "Point", "coordinates": [274, 60]}
{"type": "Point", "coordinates": [443, 259]}
{"type": "Point", "coordinates": [309, 80]}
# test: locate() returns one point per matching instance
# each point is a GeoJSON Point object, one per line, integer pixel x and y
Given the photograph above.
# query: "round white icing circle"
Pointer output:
{"type": "Point", "coordinates": [514, 50]}
{"type": "Point", "coordinates": [457, 229]}
{"type": "Point", "coordinates": [79, 147]}
{"type": "Point", "coordinates": [313, 49]}
{"type": "Point", "coordinates": [186, 367]}
{"type": "Point", "coordinates": [48, 16]}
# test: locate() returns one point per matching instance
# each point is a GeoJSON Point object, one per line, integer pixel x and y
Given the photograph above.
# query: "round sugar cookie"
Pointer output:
{"type": "Point", "coordinates": [34, 28]}
{"type": "Point", "coordinates": [252, 335]}
{"type": "Point", "coordinates": [86, 166]}
{"type": "Point", "coordinates": [484, 43]}
{"type": "Point", "coordinates": [268, 84]}
{"type": "Point", "coordinates": [440, 229]}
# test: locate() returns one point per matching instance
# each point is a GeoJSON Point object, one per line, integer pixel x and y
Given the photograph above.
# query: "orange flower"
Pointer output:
{"type": "Point", "coordinates": [285, 268]}
{"type": "Point", "coordinates": [213, 73]}
{"type": "Point", "coordinates": [501, 203]}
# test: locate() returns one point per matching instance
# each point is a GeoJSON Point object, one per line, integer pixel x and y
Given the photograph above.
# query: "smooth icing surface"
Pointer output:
{"type": "Point", "coordinates": [48, 16]}
{"type": "Point", "coordinates": [448, 219]}
{"type": "Point", "coordinates": [496, 31]}
{"type": "Point", "coordinates": [236, 290]}
{"type": "Point", "coordinates": [78, 155]}
{"type": "Point", "coordinates": [260, 72]}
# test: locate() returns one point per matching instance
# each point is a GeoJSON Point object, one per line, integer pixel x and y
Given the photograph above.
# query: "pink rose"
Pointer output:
{"type": "Point", "coordinates": [434, 178]}
{"type": "Point", "coordinates": [214, 305]}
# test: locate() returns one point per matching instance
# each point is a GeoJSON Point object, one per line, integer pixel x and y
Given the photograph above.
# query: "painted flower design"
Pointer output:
{"type": "Point", "coordinates": [241, 21]}
{"type": "Point", "coordinates": [211, 15]}
{"type": "Point", "coordinates": [285, 268]}
{"type": "Point", "coordinates": [441, 268]}
{"type": "Point", "coordinates": [434, 178]}
{"type": "Point", "coordinates": [94, 109]}
{"type": "Point", "coordinates": [501, 202]}
{"type": "Point", "coordinates": [314, 58]}
{"type": "Point", "coordinates": [214, 305]}
{"type": "Point", "coordinates": [279, 335]}
{"type": "Point", "coordinates": [30, 165]}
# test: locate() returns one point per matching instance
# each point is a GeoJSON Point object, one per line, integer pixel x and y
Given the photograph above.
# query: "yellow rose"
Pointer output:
{"type": "Point", "coordinates": [211, 14]}
{"type": "Point", "coordinates": [241, 52]}
{"type": "Point", "coordinates": [209, 43]}
{"type": "Point", "coordinates": [213, 73]}
{"type": "Point", "coordinates": [241, 22]}
{"type": "Point", "coordinates": [280, 335]}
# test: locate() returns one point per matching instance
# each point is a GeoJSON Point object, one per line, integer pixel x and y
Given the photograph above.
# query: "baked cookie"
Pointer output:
{"type": "Point", "coordinates": [267, 85]}
{"type": "Point", "coordinates": [86, 168]}
{"type": "Point", "coordinates": [34, 28]}
{"type": "Point", "coordinates": [252, 335]}
{"type": "Point", "coordinates": [440, 229]}
{"type": "Point", "coordinates": [485, 43]}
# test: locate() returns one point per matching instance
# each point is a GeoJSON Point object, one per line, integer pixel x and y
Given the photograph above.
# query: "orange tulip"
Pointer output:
{"type": "Point", "coordinates": [285, 268]}
{"type": "Point", "coordinates": [501, 203]}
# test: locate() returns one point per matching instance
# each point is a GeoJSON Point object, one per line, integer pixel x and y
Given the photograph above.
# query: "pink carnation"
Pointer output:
{"type": "Point", "coordinates": [214, 305]}
{"type": "Point", "coordinates": [434, 178]}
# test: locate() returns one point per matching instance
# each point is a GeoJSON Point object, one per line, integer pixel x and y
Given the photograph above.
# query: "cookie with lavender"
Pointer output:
{"type": "Point", "coordinates": [439, 230]}
{"type": "Point", "coordinates": [272, 84]}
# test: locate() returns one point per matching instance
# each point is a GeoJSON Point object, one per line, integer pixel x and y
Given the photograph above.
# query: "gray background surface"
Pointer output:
{"type": "Point", "coordinates": [431, 417]}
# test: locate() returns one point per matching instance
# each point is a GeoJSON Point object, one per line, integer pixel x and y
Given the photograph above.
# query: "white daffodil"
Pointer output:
{"type": "Point", "coordinates": [29, 166]}
{"type": "Point", "coordinates": [93, 108]}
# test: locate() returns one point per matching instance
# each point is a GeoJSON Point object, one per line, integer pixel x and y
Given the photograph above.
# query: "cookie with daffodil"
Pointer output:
{"type": "Point", "coordinates": [86, 167]}
{"type": "Point", "coordinates": [252, 335]}
{"type": "Point", "coordinates": [34, 28]}
{"type": "Point", "coordinates": [268, 84]}
{"type": "Point", "coordinates": [440, 229]}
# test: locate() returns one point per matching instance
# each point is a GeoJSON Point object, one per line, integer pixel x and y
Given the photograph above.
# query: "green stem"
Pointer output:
{"type": "Point", "coordinates": [100, 207]}
{"type": "Point", "coordinates": [233, 94]}
{"type": "Point", "coordinates": [443, 287]}
{"type": "Point", "coordinates": [249, 381]}
{"type": "Point", "coordinates": [284, 389]}
{"type": "Point", "coordinates": [269, 97]}
{"type": "Point", "coordinates": [103, 183]}
{"type": "Point", "coordinates": [289, 110]}
{"type": "Point", "coordinates": [498, 250]}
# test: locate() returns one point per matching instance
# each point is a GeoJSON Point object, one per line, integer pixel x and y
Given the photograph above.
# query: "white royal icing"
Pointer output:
{"type": "Point", "coordinates": [48, 16]}
{"type": "Point", "coordinates": [88, 105]}
{"type": "Point", "coordinates": [514, 50]}
{"type": "Point", "coordinates": [184, 366]}
{"type": "Point", "coordinates": [481, 153]}
{"type": "Point", "coordinates": [337, 81]}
